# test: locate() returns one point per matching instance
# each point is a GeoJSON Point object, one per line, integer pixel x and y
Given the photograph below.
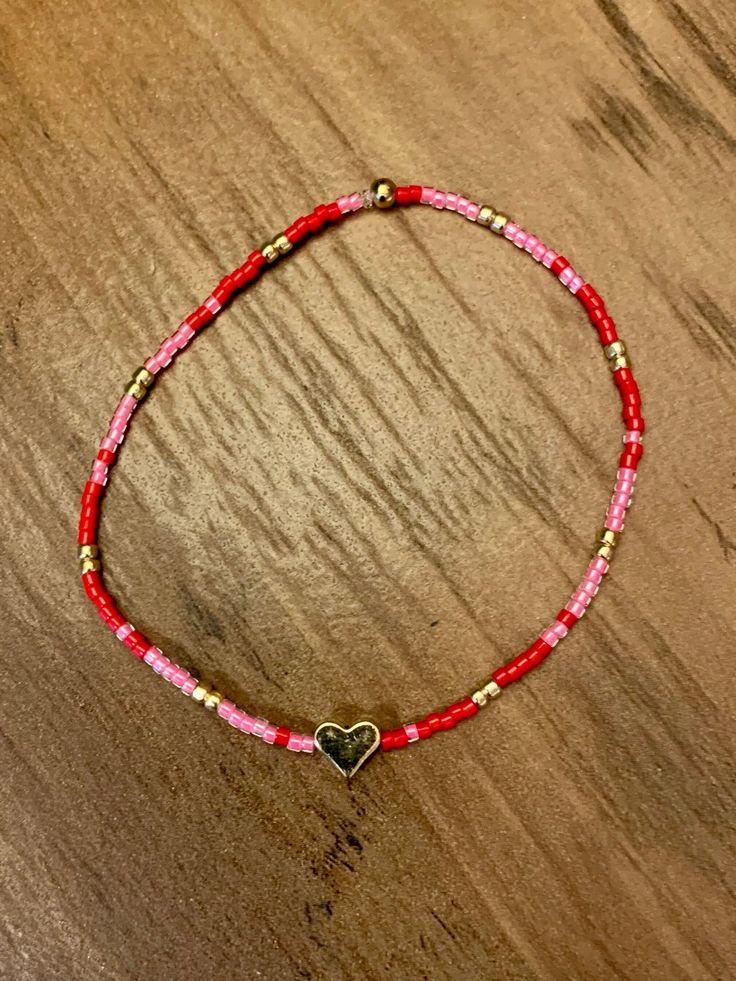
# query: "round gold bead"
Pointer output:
{"type": "Point", "coordinates": [88, 551]}
{"type": "Point", "coordinates": [618, 362]}
{"type": "Point", "coordinates": [492, 689]}
{"type": "Point", "coordinates": [269, 252]}
{"type": "Point", "coordinates": [603, 552]}
{"type": "Point", "coordinates": [498, 224]}
{"type": "Point", "coordinates": [89, 565]}
{"type": "Point", "coordinates": [282, 243]}
{"type": "Point", "coordinates": [211, 700]}
{"type": "Point", "coordinates": [200, 693]}
{"type": "Point", "coordinates": [618, 348]}
{"type": "Point", "coordinates": [137, 390]}
{"type": "Point", "coordinates": [608, 537]}
{"type": "Point", "coordinates": [383, 192]}
{"type": "Point", "coordinates": [485, 216]}
{"type": "Point", "coordinates": [143, 377]}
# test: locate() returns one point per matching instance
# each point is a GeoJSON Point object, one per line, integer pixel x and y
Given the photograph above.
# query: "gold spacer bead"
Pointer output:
{"type": "Point", "coordinates": [608, 537]}
{"type": "Point", "coordinates": [88, 552]}
{"type": "Point", "coordinates": [603, 552]}
{"type": "Point", "coordinates": [485, 216]}
{"type": "Point", "coordinates": [489, 690]}
{"type": "Point", "coordinates": [615, 349]}
{"type": "Point", "coordinates": [200, 693]}
{"type": "Point", "coordinates": [89, 565]}
{"type": "Point", "coordinates": [618, 362]}
{"type": "Point", "coordinates": [143, 377]}
{"type": "Point", "coordinates": [282, 243]}
{"type": "Point", "coordinates": [212, 700]}
{"type": "Point", "coordinates": [492, 689]}
{"type": "Point", "coordinates": [269, 252]}
{"type": "Point", "coordinates": [498, 224]}
{"type": "Point", "coordinates": [137, 390]}
{"type": "Point", "coordinates": [383, 192]}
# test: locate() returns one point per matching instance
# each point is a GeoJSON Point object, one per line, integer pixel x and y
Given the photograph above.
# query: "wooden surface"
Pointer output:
{"type": "Point", "coordinates": [373, 480]}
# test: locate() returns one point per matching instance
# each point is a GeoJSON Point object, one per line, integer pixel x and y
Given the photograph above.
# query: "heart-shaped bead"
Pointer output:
{"type": "Point", "coordinates": [347, 749]}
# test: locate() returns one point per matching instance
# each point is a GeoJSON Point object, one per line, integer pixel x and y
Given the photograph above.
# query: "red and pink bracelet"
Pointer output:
{"type": "Point", "coordinates": [349, 748]}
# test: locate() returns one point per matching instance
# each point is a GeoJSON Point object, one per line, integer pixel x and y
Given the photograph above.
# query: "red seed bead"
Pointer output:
{"type": "Point", "coordinates": [282, 736]}
{"type": "Point", "coordinates": [566, 618]}
{"type": "Point", "coordinates": [424, 730]}
{"type": "Point", "coordinates": [588, 297]}
{"type": "Point", "coordinates": [434, 721]}
{"type": "Point", "coordinates": [560, 264]}
{"type": "Point", "coordinates": [403, 195]}
{"type": "Point", "coordinates": [447, 720]}
{"type": "Point", "coordinates": [333, 211]}
{"type": "Point", "coordinates": [387, 740]}
{"type": "Point", "coordinates": [105, 456]}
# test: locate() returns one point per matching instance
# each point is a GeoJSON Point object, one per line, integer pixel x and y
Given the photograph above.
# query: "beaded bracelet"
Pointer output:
{"type": "Point", "coordinates": [349, 748]}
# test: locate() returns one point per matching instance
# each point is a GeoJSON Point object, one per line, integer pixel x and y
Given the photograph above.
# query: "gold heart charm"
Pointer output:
{"type": "Point", "coordinates": [347, 749]}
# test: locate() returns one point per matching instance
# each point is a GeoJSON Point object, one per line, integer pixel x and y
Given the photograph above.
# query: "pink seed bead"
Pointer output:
{"type": "Point", "coordinates": [577, 609]}
{"type": "Point", "coordinates": [189, 685]}
{"type": "Point", "coordinates": [151, 365]}
{"type": "Point", "coordinates": [108, 444]}
{"type": "Point", "coordinates": [575, 284]}
{"type": "Point", "coordinates": [269, 733]}
{"type": "Point", "coordinates": [520, 238]}
{"type": "Point", "coordinates": [246, 723]}
{"type": "Point", "coordinates": [259, 727]}
{"type": "Point", "coordinates": [589, 587]}
{"type": "Point", "coordinates": [510, 229]}
{"type": "Point", "coordinates": [225, 708]}
{"type": "Point", "coordinates": [632, 436]}
{"type": "Point", "coordinates": [411, 731]}
{"type": "Point", "coordinates": [626, 473]}
{"type": "Point", "coordinates": [307, 743]}
{"type": "Point", "coordinates": [179, 678]}
{"type": "Point", "coordinates": [295, 742]}
{"type": "Point", "coordinates": [451, 201]}
{"type": "Point", "coordinates": [234, 718]}
{"type": "Point", "coordinates": [549, 257]}
{"type": "Point", "coordinates": [151, 655]}
{"type": "Point", "coordinates": [343, 203]}
{"type": "Point", "coordinates": [621, 500]}
{"type": "Point", "coordinates": [471, 212]}
{"type": "Point", "coordinates": [428, 194]}
{"type": "Point", "coordinates": [438, 201]}
{"type": "Point", "coordinates": [169, 671]}
{"type": "Point", "coordinates": [549, 637]}
{"type": "Point", "coordinates": [566, 275]}
{"type": "Point", "coordinates": [614, 511]}
{"type": "Point", "coordinates": [592, 575]}
{"type": "Point", "coordinates": [462, 206]}
{"type": "Point", "coordinates": [212, 304]}
{"type": "Point", "coordinates": [539, 251]}
{"type": "Point", "coordinates": [560, 629]}
{"type": "Point", "coordinates": [356, 201]}
{"type": "Point", "coordinates": [122, 632]}
{"type": "Point", "coordinates": [531, 243]}
{"type": "Point", "coordinates": [614, 524]}
{"type": "Point", "coordinates": [600, 564]}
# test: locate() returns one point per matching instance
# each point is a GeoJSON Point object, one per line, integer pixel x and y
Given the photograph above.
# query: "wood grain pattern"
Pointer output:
{"type": "Point", "coordinates": [375, 478]}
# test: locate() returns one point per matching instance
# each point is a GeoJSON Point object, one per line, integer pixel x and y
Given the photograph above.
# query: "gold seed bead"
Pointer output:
{"type": "Point", "coordinates": [499, 223]}
{"type": "Point", "coordinates": [144, 377]}
{"type": "Point", "coordinates": [489, 690]}
{"type": "Point", "coordinates": [200, 693]}
{"type": "Point", "coordinates": [269, 252]}
{"type": "Point", "coordinates": [89, 565]}
{"type": "Point", "coordinates": [604, 552]}
{"type": "Point", "coordinates": [485, 216]}
{"type": "Point", "coordinates": [383, 192]}
{"type": "Point", "coordinates": [608, 537]}
{"type": "Point", "coordinates": [282, 243]}
{"type": "Point", "coordinates": [618, 362]}
{"type": "Point", "coordinates": [137, 390]}
{"type": "Point", "coordinates": [618, 348]}
{"type": "Point", "coordinates": [211, 700]}
{"type": "Point", "coordinates": [88, 552]}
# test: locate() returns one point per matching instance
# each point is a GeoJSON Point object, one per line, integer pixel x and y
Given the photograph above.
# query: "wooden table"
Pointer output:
{"type": "Point", "coordinates": [375, 479]}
